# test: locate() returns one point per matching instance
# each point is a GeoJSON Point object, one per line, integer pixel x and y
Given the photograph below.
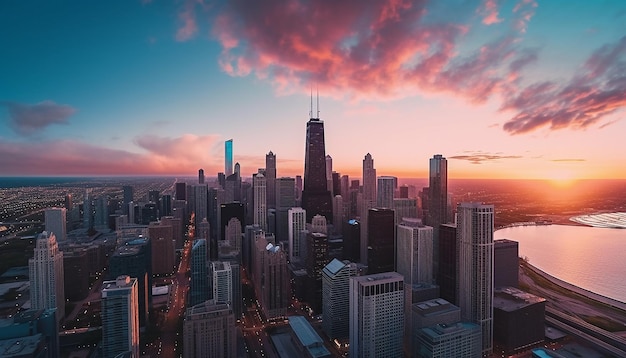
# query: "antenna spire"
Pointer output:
{"type": "Point", "coordinates": [318, 101]}
{"type": "Point", "coordinates": [311, 110]}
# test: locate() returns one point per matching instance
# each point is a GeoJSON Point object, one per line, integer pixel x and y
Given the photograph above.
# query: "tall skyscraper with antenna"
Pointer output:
{"type": "Point", "coordinates": [228, 157]}
{"type": "Point", "coordinates": [316, 198]}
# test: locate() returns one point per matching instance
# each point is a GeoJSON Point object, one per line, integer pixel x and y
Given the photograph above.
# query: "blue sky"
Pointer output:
{"type": "Point", "coordinates": [520, 89]}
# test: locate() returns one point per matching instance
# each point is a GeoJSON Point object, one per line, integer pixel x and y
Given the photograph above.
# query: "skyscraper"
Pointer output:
{"type": "Point", "coordinates": [222, 277]}
{"type": "Point", "coordinates": [449, 263]}
{"type": "Point", "coordinates": [414, 251]}
{"type": "Point", "coordinates": [368, 201]}
{"type": "Point", "coordinates": [297, 224]}
{"type": "Point", "coordinates": [46, 275]}
{"type": "Point", "coordinates": [134, 259]}
{"type": "Point", "coordinates": [209, 331]}
{"type": "Point", "coordinates": [329, 174]}
{"type": "Point", "coordinates": [475, 235]}
{"type": "Point", "coordinates": [380, 249]}
{"type": "Point", "coordinates": [336, 298]}
{"type": "Point", "coordinates": [228, 157]}
{"type": "Point", "coordinates": [128, 193]}
{"type": "Point", "coordinates": [376, 315]}
{"type": "Point", "coordinates": [270, 176]}
{"type": "Point", "coordinates": [437, 202]}
{"type": "Point", "coordinates": [260, 200]}
{"type": "Point", "coordinates": [200, 208]}
{"type": "Point", "coordinates": [201, 176]}
{"type": "Point", "coordinates": [120, 317]}
{"type": "Point", "coordinates": [385, 191]}
{"type": "Point", "coordinates": [199, 283]}
{"type": "Point", "coordinates": [181, 191]}
{"type": "Point", "coordinates": [316, 199]}
{"type": "Point", "coordinates": [56, 222]}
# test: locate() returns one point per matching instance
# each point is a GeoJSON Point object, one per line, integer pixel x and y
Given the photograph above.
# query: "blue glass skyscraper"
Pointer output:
{"type": "Point", "coordinates": [228, 157]}
{"type": "Point", "coordinates": [199, 285]}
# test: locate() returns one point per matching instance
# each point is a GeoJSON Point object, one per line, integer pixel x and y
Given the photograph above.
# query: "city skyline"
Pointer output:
{"type": "Point", "coordinates": [502, 89]}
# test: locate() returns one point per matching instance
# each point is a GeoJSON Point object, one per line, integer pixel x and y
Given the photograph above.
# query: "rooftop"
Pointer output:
{"type": "Point", "coordinates": [20, 347]}
{"type": "Point", "coordinates": [510, 299]}
{"type": "Point", "coordinates": [308, 337]}
{"type": "Point", "coordinates": [433, 307]}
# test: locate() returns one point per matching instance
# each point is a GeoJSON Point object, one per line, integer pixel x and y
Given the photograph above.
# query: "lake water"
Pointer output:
{"type": "Point", "coordinates": [588, 257]}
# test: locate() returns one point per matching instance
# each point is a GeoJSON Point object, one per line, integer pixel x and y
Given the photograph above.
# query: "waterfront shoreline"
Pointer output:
{"type": "Point", "coordinates": [579, 290]}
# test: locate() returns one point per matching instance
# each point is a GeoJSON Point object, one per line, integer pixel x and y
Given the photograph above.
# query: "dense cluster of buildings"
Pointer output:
{"type": "Point", "coordinates": [392, 270]}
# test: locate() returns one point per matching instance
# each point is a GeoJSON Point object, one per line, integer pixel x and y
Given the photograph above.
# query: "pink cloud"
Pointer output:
{"type": "Point", "coordinates": [588, 98]}
{"type": "Point", "coordinates": [489, 11]}
{"type": "Point", "coordinates": [162, 155]}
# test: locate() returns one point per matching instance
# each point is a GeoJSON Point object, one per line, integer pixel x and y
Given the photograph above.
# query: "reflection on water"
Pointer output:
{"type": "Point", "coordinates": [588, 257]}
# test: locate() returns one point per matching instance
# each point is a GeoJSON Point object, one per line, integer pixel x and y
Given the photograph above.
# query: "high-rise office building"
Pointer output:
{"type": "Point", "coordinates": [380, 242]}
{"type": "Point", "coordinates": [338, 213]}
{"type": "Point", "coordinates": [404, 208]}
{"type": "Point", "coordinates": [475, 235]}
{"type": "Point", "coordinates": [368, 201]}
{"type": "Point", "coordinates": [209, 331]}
{"type": "Point", "coordinates": [271, 278]}
{"type": "Point", "coordinates": [128, 193]}
{"type": "Point", "coordinates": [76, 274]}
{"type": "Point", "coordinates": [46, 275]}
{"type": "Point", "coordinates": [460, 339]}
{"type": "Point", "coordinates": [429, 313]}
{"type": "Point", "coordinates": [376, 315]}
{"type": "Point", "coordinates": [228, 157]}
{"type": "Point", "coordinates": [285, 192]}
{"type": "Point", "coordinates": [352, 240]}
{"type": "Point", "coordinates": [222, 277]}
{"type": "Point", "coordinates": [385, 190]}
{"type": "Point", "coordinates": [336, 298]}
{"type": "Point", "coordinates": [67, 204]}
{"type": "Point", "coordinates": [88, 210]}
{"type": "Point", "coordinates": [56, 222]}
{"type": "Point", "coordinates": [120, 317]}
{"type": "Point", "coordinates": [505, 263]}
{"type": "Point", "coordinates": [259, 183]}
{"type": "Point", "coordinates": [181, 191]}
{"type": "Point", "coordinates": [229, 211]}
{"type": "Point", "coordinates": [199, 282]}
{"type": "Point", "coordinates": [101, 213]}
{"type": "Point", "coordinates": [297, 224]}
{"type": "Point", "coordinates": [134, 259]}
{"type": "Point", "coordinates": [201, 176]}
{"type": "Point", "coordinates": [449, 263]}
{"type": "Point", "coordinates": [329, 174]}
{"type": "Point", "coordinates": [316, 199]}
{"type": "Point", "coordinates": [200, 203]}
{"type": "Point", "coordinates": [316, 259]}
{"type": "Point", "coordinates": [414, 251]}
{"type": "Point", "coordinates": [437, 201]}
{"type": "Point", "coordinates": [270, 177]}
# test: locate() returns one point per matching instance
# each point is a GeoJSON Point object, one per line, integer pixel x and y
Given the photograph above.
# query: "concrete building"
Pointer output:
{"type": "Point", "coordinates": [297, 224]}
{"type": "Point", "coordinates": [46, 275]}
{"type": "Point", "coordinates": [427, 314]}
{"type": "Point", "coordinates": [518, 319]}
{"type": "Point", "coordinates": [414, 251]}
{"type": "Point", "coordinates": [335, 298]}
{"type": "Point", "coordinates": [459, 339]}
{"type": "Point", "coordinates": [404, 208]}
{"type": "Point", "coordinates": [120, 317]}
{"type": "Point", "coordinates": [222, 277]}
{"type": "Point", "coordinates": [56, 222]}
{"type": "Point", "coordinates": [271, 278]}
{"type": "Point", "coordinates": [209, 331]}
{"type": "Point", "coordinates": [475, 235]}
{"type": "Point", "coordinates": [259, 184]}
{"type": "Point", "coordinates": [385, 191]}
{"type": "Point", "coordinates": [376, 315]}
{"type": "Point", "coordinates": [505, 263]}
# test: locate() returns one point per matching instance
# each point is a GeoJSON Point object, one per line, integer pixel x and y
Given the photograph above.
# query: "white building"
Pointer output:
{"type": "Point", "coordinates": [259, 184]}
{"type": "Point", "coordinates": [56, 222]}
{"type": "Point", "coordinates": [335, 298]}
{"type": "Point", "coordinates": [209, 331]}
{"type": "Point", "coordinates": [297, 224]}
{"type": "Point", "coordinates": [120, 317]}
{"type": "Point", "coordinates": [46, 275]}
{"type": "Point", "coordinates": [475, 236]}
{"type": "Point", "coordinates": [222, 282]}
{"type": "Point", "coordinates": [414, 251]}
{"type": "Point", "coordinates": [384, 194]}
{"type": "Point", "coordinates": [376, 315]}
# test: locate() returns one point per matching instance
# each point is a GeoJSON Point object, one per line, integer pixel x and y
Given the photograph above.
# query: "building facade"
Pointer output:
{"type": "Point", "coordinates": [46, 275]}
{"type": "Point", "coordinates": [120, 317]}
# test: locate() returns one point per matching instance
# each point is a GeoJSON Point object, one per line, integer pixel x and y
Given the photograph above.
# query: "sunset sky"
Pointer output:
{"type": "Point", "coordinates": [503, 89]}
